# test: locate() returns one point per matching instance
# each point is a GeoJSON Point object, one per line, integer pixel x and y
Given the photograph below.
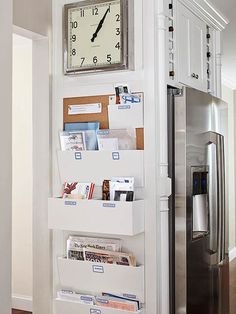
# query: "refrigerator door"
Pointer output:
{"type": "Point", "coordinates": [199, 207]}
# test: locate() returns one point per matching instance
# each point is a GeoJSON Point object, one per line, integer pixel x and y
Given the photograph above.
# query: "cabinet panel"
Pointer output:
{"type": "Point", "coordinates": [191, 42]}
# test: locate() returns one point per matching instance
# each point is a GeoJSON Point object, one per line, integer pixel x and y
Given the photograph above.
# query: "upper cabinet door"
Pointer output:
{"type": "Point", "coordinates": [191, 49]}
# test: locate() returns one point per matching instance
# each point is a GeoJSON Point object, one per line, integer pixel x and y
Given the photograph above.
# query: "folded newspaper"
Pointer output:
{"type": "Point", "coordinates": [76, 244]}
{"type": "Point", "coordinates": [110, 257]}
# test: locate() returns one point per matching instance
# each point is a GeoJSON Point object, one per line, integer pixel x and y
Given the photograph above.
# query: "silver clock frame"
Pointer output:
{"type": "Point", "coordinates": [126, 39]}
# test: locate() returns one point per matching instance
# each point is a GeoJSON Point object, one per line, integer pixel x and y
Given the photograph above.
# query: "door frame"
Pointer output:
{"type": "Point", "coordinates": [41, 118]}
{"type": "Point", "coordinates": [6, 156]}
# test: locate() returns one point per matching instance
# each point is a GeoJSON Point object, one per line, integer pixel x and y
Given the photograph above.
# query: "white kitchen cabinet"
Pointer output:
{"type": "Point", "coordinates": [191, 34]}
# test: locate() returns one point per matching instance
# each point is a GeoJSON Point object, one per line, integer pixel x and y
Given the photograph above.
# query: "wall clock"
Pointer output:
{"type": "Point", "coordinates": [96, 36]}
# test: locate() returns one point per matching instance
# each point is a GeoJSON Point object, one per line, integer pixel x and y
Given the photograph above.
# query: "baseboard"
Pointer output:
{"type": "Point", "coordinates": [22, 302]}
{"type": "Point", "coordinates": [232, 254]}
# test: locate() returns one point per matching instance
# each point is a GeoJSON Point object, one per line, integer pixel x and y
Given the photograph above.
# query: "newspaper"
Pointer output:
{"type": "Point", "coordinates": [110, 257]}
{"type": "Point", "coordinates": [76, 244]}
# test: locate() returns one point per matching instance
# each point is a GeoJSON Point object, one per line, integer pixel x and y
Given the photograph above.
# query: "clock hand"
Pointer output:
{"type": "Point", "coordinates": [99, 25]}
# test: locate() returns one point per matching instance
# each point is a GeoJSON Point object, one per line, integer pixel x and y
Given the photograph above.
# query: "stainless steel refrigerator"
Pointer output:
{"type": "Point", "coordinates": [199, 268]}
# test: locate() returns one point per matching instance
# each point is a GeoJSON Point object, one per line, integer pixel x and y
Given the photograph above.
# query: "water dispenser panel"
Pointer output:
{"type": "Point", "coordinates": [200, 203]}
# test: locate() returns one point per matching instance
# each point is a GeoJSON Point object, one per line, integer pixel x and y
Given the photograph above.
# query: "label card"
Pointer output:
{"type": "Point", "coordinates": [95, 311]}
{"type": "Point", "coordinates": [98, 269]}
{"type": "Point", "coordinates": [84, 109]}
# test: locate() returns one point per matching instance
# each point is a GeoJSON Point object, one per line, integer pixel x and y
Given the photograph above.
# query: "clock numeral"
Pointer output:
{"type": "Point", "coordinates": [95, 11]}
{"type": "Point", "coordinates": [109, 58]}
{"type": "Point", "coordinates": [117, 45]}
{"type": "Point", "coordinates": [82, 12]}
{"type": "Point", "coordinates": [73, 38]}
{"type": "Point", "coordinates": [95, 59]}
{"type": "Point", "coordinates": [117, 31]}
{"type": "Point", "coordinates": [109, 9]}
{"type": "Point", "coordinates": [82, 62]}
{"type": "Point", "coordinates": [74, 24]}
{"type": "Point", "coordinates": [73, 52]}
{"type": "Point", "coordinates": [117, 17]}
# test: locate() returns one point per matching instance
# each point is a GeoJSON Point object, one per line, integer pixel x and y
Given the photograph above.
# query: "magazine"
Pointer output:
{"type": "Point", "coordinates": [90, 132]}
{"type": "Point", "coordinates": [109, 257]}
{"type": "Point", "coordinates": [123, 139]}
{"type": "Point", "coordinates": [76, 190]}
{"type": "Point", "coordinates": [105, 300]}
{"type": "Point", "coordinates": [121, 189]}
{"type": "Point", "coordinates": [78, 297]}
{"type": "Point", "coordinates": [76, 244]}
{"type": "Point", "coordinates": [72, 141]}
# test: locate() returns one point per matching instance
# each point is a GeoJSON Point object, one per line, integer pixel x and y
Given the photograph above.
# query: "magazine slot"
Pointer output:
{"type": "Point", "coordinates": [72, 307]}
{"type": "Point", "coordinates": [96, 166]}
{"type": "Point", "coordinates": [126, 116]}
{"type": "Point", "coordinates": [96, 216]}
{"type": "Point", "coordinates": [100, 277]}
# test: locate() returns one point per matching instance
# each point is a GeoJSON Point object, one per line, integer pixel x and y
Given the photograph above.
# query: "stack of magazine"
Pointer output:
{"type": "Point", "coordinates": [114, 301]}
{"type": "Point", "coordinates": [98, 250]}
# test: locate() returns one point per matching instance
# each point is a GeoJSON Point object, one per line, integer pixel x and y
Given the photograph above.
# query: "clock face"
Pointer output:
{"type": "Point", "coordinates": [95, 38]}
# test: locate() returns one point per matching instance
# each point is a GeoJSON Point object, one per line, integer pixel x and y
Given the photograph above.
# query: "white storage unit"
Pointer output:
{"type": "Point", "coordinates": [125, 116]}
{"type": "Point", "coordinates": [192, 59]}
{"type": "Point", "coordinates": [70, 307]}
{"type": "Point", "coordinates": [96, 166]}
{"type": "Point", "coordinates": [96, 216]}
{"type": "Point", "coordinates": [196, 32]}
{"type": "Point", "coordinates": [98, 277]}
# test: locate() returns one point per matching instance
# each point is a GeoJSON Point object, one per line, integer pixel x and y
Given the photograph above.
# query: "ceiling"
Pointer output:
{"type": "Point", "coordinates": [228, 8]}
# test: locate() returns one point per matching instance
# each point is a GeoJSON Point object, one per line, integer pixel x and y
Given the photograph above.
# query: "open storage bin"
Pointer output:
{"type": "Point", "coordinates": [96, 166]}
{"type": "Point", "coordinates": [96, 216]}
{"type": "Point", "coordinates": [125, 116]}
{"type": "Point", "coordinates": [70, 307]}
{"type": "Point", "coordinates": [100, 277]}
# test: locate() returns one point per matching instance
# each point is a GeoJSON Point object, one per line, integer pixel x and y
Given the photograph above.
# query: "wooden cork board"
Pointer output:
{"type": "Point", "coordinates": [101, 117]}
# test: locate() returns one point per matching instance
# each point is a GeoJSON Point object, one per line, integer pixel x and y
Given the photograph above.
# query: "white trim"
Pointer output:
{"type": "Point", "coordinates": [22, 302]}
{"type": "Point", "coordinates": [232, 254]}
{"type": "Point", "coordinates": [208, 12]}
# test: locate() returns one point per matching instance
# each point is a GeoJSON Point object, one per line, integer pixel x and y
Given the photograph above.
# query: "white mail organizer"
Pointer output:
{"type": "Point", "coordinates": [71, 307]}
{"type": "Point", "coordinates": [100, 277]}
{"type": "Point", "coordinates": [96, 216]}
{"type": "Point", "coordinates": [126, 116]}
{"type": "Point", "coordinates": [96, 166]}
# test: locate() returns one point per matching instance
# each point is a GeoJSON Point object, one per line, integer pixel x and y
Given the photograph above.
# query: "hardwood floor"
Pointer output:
{"type": "Point", "coordinates": [20, 312]}
{"type": "Point", "coordinates": [232, 280]}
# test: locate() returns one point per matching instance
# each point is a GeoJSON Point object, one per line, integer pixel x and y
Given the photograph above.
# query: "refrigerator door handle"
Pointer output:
{"type": "Point", "coordinates": [218, 140]}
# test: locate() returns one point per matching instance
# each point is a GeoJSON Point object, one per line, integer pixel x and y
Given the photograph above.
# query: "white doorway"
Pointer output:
{"type": "Point", "coordinates": [31, 265]}
{"type": "Point", "coordinates": [22, 174]}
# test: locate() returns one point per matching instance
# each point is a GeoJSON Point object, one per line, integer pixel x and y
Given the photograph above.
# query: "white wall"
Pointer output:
{"type": "Point", "coordinates": [5, 156]}
{"type": "Point", "coordinates": [228, 96]}
{"type": "Point", "coordinates": [22, 169]}
{"type": "Point", "coordinates": [33, 15]}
